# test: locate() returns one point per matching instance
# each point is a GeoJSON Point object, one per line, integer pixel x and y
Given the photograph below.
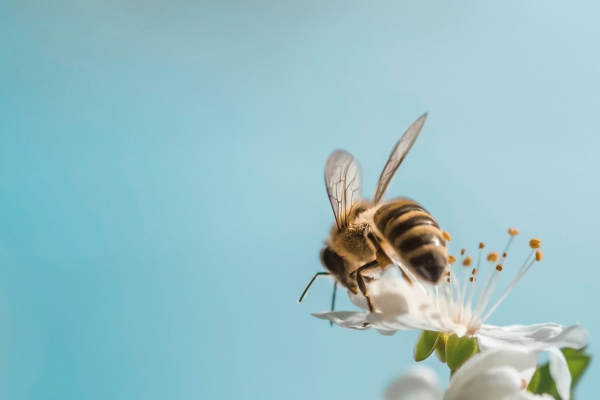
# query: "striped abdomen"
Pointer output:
{"type": "Point", "coordinates": [415, 236]}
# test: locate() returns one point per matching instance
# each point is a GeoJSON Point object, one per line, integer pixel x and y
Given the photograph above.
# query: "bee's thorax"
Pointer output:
{"type": "Point", "coordinates": [351, 242]}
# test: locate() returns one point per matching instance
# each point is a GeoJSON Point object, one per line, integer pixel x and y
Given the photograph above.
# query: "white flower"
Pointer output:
{"type": "Point", "coordinates": [402, 303]}
{"type": "Point", "coordinates": [501, 374]}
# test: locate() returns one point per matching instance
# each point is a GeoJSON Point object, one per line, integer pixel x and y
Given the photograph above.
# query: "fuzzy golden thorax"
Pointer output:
{"type": "Point", "coordinates": [351, 242]}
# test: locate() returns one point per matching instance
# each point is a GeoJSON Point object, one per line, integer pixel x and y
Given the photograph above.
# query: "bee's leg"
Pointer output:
{"type": "Point", "coordinates": [361, 281]}
{"type": "Point", "coordinates": [310, 283]}
{"type": "Point", "coordinates": [333, 299]}
{"type": "Point", "coordinates": [381, 257]}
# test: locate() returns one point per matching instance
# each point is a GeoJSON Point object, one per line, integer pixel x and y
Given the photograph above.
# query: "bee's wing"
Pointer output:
{"type": "Point", "coordinates": [342, 180]}
{"type": "Point", "coordinates": [398, 154]}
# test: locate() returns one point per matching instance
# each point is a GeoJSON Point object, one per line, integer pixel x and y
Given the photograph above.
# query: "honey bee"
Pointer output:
{"type": "Point", "coordinates": [370, 235]}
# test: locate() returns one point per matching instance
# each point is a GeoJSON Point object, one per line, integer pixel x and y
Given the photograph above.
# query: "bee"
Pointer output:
{"type": "Point", "coordinates": [371, 235]}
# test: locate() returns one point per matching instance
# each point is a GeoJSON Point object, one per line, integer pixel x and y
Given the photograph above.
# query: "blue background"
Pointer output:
{"type": "Point", "coordinates": [161, 194]}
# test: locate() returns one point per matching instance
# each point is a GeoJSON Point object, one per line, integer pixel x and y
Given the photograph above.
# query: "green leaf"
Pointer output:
{"type": "Point", "coordinates": [578, 361]}
{"type": "Point", "coordinates": [542, 382]}
{"type": "Point", "coordinates": [440, 347]}
{"type": "Point", "coordinates": [459, 350]}
{"type": "Point", "coordinates": [534, 383]}
{"type": "Point", "coordinates": [425, 345]}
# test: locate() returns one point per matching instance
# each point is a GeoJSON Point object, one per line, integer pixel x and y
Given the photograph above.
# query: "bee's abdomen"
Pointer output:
{"type": "Point", "coordinates": [415, 236]}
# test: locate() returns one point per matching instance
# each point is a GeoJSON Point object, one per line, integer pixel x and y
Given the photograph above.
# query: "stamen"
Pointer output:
{"type": "Point", "coordinates": [488, 291]}
{"type": "Point", "coordinates": [448, 300]}
{"type": "Point", "coordinates": [463, 293]}
{"type": "Point", "coordinates": [468, 312]}
{"type": "Point", "coordinates": [486, 281]}
{"type": "Point", "coordinates": [522, 271]}
{"type": "Point", "coordinates": [538, 255]}
{"type": "Point", "coordinates": [512, 233]}
{"type": "Point", "coordinates": [455, 296]}
{"type": "Point", "coordinates": [481, 246]}
{"type": "Point", "coordinates": [446, 236]}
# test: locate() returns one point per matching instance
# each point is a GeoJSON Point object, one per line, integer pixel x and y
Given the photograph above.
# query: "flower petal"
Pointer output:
{"type": "Point", "coordinates": [493, 384]}
{"type": "Point", "coordinates": [420, 383]}
{"type": "Point", "coordinates": [502, 370]}
{"type": "Point", "coordinates": [358, 300]}
{"type": "Point", "coordinates": [538, 337]}
{"type": "Point", "coordinates": [386, 333]}
{"type": "Point", "coordinates": [560, 373]}
{"type": "Point", "coordinates": [401, 305]}
{"type": "Point", "coordinates": [345, 319]}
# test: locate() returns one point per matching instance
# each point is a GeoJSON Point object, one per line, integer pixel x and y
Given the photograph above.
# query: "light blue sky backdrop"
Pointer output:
{"type": "Point", "coordinates": [161, 194]}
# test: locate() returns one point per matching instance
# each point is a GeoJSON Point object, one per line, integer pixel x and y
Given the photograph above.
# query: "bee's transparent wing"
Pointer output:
{"type": "Point", "coordinates": [342, 180]}
{"type": "Point", "coordinates": [398, 154]}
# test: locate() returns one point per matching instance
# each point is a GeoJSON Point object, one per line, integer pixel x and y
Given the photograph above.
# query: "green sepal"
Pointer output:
{"type": "Point", "coordinates": [425, 345]}
{"type": "Point", "coordinates": [440, 347]}
{"type": "Point", "coordinates": [459, 350]}
{"type": "Point", "coordinates": [578, 362]}
{"type": "Point", "coordinates": [542, 382]}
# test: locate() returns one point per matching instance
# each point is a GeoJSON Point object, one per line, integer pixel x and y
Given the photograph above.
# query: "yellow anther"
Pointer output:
{"type": "Point", "coordinates": [446, 236]}
{"type": "Point", "coordinates": [474, 272]}
{"type": "Point", "coordinates": [535, 243]}
{"type": "Point", "coordinates": [481, 245]}
{"type": "Point", "coordinates": [451, 259]}
{"type": "Point", "coordinates": [538, 255]}
{"type": "Point", "coordinates": [467, 261]}
{"type": "Point", "coordinates": [504, 255]}
{"type": "Point", "coordinates": [499, 267]}
{"type": "Point", "coordinates": [462, 252]}
{"type": "Point", "coordinates": [472, 279]}
{"type": "Point", "coordinates": [513, 231]}
{"type": "Point", "coordinates": [448, 280]}
{"type": "Point", "coordinates": [492, 257]}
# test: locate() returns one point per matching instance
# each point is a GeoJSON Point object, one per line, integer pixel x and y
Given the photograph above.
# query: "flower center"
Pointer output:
{"type": "Point", "coordinates": [459, 296]}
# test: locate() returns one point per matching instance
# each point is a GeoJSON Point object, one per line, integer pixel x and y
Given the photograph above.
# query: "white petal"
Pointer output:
{"type": "Point", "coordinates": [530, 396]}
{"type": "Point", "coordinates": [492, 384]}
{"type": "Point", "coordinates": [420, 383]}
{"type": "Point", "coordinates": [537, 337]}
{"type": "Point", "coordinates": [345, 319]}
{"type": "Point", "coordinates": [400, 305]}
{"type": "Point", "coordinates": [386, 333]}
{"type": "Point", "coordinates": [504, 369]}
{"type": "Point", "coordinates": [560, 373]}
{"type": "Point", "coordinates": [359, 300]}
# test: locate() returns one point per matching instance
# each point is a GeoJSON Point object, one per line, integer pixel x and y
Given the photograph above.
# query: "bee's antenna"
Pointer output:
{"type": "Point", "coordinates": [310, 283]}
